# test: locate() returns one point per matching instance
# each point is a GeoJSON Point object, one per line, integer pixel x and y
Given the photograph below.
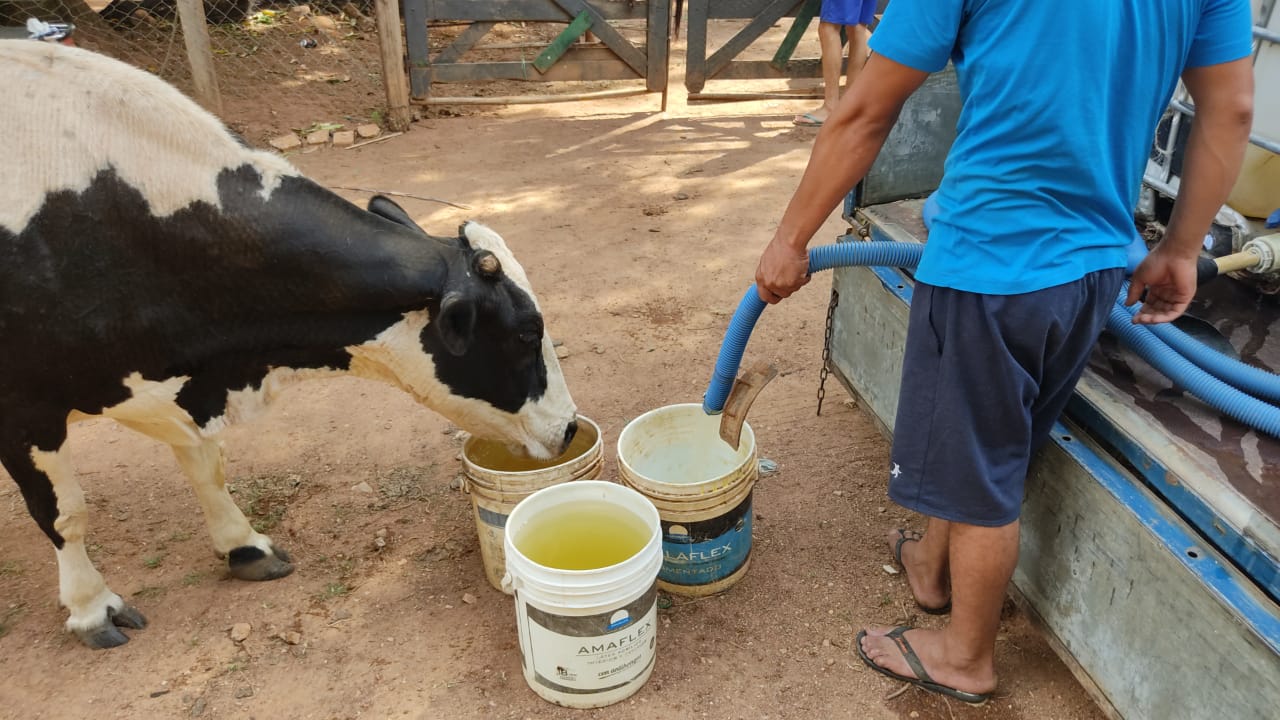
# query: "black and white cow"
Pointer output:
{"type": "Point", "coordinates": [156, 271]}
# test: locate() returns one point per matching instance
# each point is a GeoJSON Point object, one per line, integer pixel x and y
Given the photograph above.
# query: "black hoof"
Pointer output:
{"type": "Point", "coordinates": [252, 563]}
{"type": "Point", "coordinates": [127, 617]}
{"type": "Point", "coordinates": [103, 636]}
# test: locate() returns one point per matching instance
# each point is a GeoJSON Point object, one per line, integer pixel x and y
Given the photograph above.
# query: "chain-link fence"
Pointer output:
{"type": "Point", "coordinates": [280, 67]}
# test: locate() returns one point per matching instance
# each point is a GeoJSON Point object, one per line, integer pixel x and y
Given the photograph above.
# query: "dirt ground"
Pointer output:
{"type": "Point", "coordinates": [640, 231]}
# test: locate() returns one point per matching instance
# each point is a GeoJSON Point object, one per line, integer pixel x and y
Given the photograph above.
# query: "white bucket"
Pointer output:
{"type": "Point", "coordinates": [497, 481]}
{"type": "Point", "coordinates": [587, 636]}
{"type": "Point", "coordinates": [702, 489]}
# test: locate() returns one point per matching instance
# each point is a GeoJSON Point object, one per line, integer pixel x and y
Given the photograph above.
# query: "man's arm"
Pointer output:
{"type": "Point", "coordinates": [845, 148]}
{"type": "Point", "coordinates": [1223, 96]}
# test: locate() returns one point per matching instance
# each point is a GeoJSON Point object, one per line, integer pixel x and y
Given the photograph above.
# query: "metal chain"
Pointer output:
{"type": "Point", "coordinates": [826, 348]}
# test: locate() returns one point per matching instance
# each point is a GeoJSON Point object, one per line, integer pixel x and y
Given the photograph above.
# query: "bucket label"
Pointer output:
{"type": "Point", "coordinates": [706, 551]}
{"type": "Point", "coordinates": [490, 517]}
{"type": "Point", "coordinates": [590, 653]}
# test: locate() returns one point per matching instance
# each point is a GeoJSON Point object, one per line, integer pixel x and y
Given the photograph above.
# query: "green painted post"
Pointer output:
{"type": "Point", "coordinates": [789, 43]}
{"type": "Point", "coordinates": [561, 44]}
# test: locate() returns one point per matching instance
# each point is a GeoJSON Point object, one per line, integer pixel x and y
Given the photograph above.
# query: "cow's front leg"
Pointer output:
{"type": "Point", "coordinates": [56, 502]}
{"type": "Point", "coordinates": [250, 554]}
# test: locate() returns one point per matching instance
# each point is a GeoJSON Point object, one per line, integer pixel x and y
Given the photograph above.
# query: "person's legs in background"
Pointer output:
{"type": "Point", "coordinates": [852, 17]}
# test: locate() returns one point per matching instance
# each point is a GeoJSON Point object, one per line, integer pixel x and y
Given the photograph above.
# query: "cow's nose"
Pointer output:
{"type": "Point", "coordinates": [569, 431]}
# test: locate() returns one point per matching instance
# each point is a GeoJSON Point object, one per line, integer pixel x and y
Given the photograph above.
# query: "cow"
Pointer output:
{"type": "Point", "coordinates": [157, 271]}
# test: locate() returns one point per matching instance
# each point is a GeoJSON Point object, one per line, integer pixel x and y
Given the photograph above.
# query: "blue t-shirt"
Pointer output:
{"type": "Point", "coordinates": [1060, 104]}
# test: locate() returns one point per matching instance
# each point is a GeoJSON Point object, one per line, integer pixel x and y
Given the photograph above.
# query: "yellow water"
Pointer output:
{"type": "Point", "coordinates": [582, 536]}
{"type": "Point", "coordinates": [498, 458]}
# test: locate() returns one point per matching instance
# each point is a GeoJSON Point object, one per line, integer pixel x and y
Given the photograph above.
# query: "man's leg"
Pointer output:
{"type": "Point", "coordinates": [832, 59]}
{"type": "Point", "coordinates": [961, 655]}
{"type": "Point", "coordinates": [925, 563]}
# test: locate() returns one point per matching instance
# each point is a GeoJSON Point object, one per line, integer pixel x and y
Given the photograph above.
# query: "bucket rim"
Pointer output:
{"type": "Point", "coordinates": [631, 475]}
{"type": "Point", "coordinates": [512, 550]}
{"type": "Point", "coordinates": [594, 448]}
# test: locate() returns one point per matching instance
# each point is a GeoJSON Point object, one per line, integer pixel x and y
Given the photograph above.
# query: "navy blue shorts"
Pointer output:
{"type": "Point", "coordinates": [984, 377]}
{"type": "Point", "coordinates": [848, 12]}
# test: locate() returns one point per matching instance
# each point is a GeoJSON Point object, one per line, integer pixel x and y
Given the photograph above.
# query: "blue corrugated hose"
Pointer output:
{"type": "Point", "coordinates": [1193, 366]}
{"type": "Point", "coordinates": [826, 257]}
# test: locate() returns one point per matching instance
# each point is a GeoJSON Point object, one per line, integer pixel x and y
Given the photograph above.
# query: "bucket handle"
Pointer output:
{"type": "Point", "coordinates": [509, 583]}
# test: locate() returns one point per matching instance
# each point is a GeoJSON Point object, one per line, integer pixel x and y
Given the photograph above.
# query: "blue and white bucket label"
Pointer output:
{"type": "Point", "coordinates": [586, 654]}
{"type": "Point", "coordinates": [706, 551]}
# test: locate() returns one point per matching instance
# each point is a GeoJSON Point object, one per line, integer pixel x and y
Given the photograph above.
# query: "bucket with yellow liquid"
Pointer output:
{"type": "Point", "coordinates": [497, 481]}
{"type": "Point", "coordinates": [582, 561]}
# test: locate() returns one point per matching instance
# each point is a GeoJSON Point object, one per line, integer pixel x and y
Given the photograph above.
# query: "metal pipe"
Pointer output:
{"type": "Point", "coordinates": [527, 99]}
{"type": "Point", "coordinates": [1258, 140]}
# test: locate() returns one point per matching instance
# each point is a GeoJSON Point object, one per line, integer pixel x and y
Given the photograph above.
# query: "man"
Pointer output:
{"type": "Point", "coordinates": [853, 17]}
{"type": "Point", "coordinates": [1023, 260]}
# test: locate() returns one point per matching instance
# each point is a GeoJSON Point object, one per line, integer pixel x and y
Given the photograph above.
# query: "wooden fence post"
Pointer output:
{"type": "Point", "coordinates": [195, 33]}
{"type": "Point", "coordinates": [391, 46]}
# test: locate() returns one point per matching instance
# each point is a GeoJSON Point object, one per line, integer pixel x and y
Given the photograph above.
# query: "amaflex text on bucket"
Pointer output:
{"type": "Point", "coordinates": [696, 555]}
{"type": "Point", "coordinates": [637, 633]}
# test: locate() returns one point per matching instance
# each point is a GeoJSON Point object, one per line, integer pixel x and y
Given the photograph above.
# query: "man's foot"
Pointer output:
{"type": "Point", "coordinates": [813, 118]}
{"type": "Point", "coordinates": [921, 660]}
{"type": "Point", "coordinates": [928, 584]}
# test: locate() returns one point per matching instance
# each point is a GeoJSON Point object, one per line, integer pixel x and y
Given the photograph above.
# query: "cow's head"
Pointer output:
{"type": "Point", "coordinates": [478, 353]}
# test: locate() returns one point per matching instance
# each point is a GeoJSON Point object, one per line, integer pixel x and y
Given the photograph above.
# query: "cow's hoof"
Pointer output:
{"type": "Point", "coordinates": [102, 637]}
{"type": "Point", "coordinates": [108, 635]}
{"type": "Point", "coordinates": [127, 617]}
{"type": "Point", "coordinates": [253, 563]}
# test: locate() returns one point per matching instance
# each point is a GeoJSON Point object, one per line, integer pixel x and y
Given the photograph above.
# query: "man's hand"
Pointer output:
{"type": "Point", "coordinates": [782, 271]}
{"type": "Point", "coordinates": [1169, 279]}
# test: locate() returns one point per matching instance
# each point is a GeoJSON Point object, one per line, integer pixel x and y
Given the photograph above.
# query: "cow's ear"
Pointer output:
{"type": "Point", "coordinates": [457, 323]}
{"type": "Point", "coordinates": [385, 207]}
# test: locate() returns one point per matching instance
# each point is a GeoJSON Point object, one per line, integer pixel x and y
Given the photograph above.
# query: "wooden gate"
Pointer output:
{"type": "Point", "coordinates": [723, 62]}
{"type": "Point", "coordinates": [564, 58]}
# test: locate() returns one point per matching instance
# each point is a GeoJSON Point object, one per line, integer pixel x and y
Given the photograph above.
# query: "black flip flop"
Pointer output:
{"type": "Point", "coordinates": [922, 678]}
{"type": "Point", "coordinates": [897, 557]}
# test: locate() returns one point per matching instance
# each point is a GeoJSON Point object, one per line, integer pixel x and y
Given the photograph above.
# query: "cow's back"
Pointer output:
{"type": "Point", "coordinates": [69, 114]}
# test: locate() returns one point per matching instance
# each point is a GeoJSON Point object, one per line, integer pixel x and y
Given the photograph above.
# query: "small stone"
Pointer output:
{"type": "Point", "coordinates": [831, 661]}
{"type": "Point", "coordinates": [244, 691]}
{"type": "Point", "coordinates": [838, 493]}
{"type": "Point", "coordinates": [379, 543]}
{"type": "Point", "coordinates": [340, 615]}
{"type": "Point", "coordinates": [456, 483]}
{"type": "Point", "coordinates": [680, 196]}
{"type": "Point", "coordinates": [914, 714]}
{"type": "Point", "coordinates": [880, 509]}
{"type": "Point", "coordinates": [363, 487]}
{"type": "Point", "coordinates": [240, 632]}
{"type": "Point", "coordinates": [890, 569]}
{"type": "Point", "coordinates": [368, 130]}
{"type": "Point", "coordinates": [826, 642]}
{"type": "Point", "coordinates": [462, 436]}
{"type": "Point", "coordinates": [344, 138]}
{"type": "Point", "coordinates": [300, 10]}
{"type": "Point", "coordinates": [197, 707]}
{"type": "Point", "coordinates": [286, 142]}
{"type": "Point", "coordinates": [767, 466]}
{"type": "Point", "coordinates": [291, 637]}
{"type": "Point", "coordinates": [468, 598]}
{"type": "Point", "coordinates": [598, 349]}
{"type": "Point", "coordinates": [382, 532]}
{"type": "Point", "coordinates": [317, 137]}
{"type": "Point", "coordinates": [562, 352]}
